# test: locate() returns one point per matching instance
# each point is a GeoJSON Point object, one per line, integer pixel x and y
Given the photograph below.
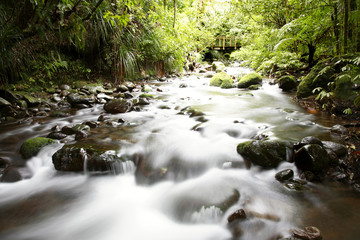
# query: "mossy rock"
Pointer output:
{"type": "Point", "coordinates": [250, 79]}
{"type": "Point", "coordinates": [287, 83]}
{"type": "Point", "coordinates": [222, 80]}
{"type": "Point", "coordinates": [218, 66]}
{"type": "Point", "coordinates": [254, 87]}
{"type": "Point", "coordinates": [32, 146]}
{"type": "Point", "coordinates": [146, 95]}
{"type": "Point", "coordinates": [324, 77]}
{"type": "Point", "coordinates": [264, 153]}
{"type": "Point", "coordinates": [343, 87]}
{"type": "Point", "coordinates": [93, 156]}
{"type": "Point", "coordinates": [306, 85]}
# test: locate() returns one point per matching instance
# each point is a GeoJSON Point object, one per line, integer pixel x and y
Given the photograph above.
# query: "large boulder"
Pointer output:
{"type": "Point", "coordinates": [222, 80]}
{"type": "Point", "coordinates": [287, 83]}
{"type": "Point", "coordinates": [32, 146]}
{"type": "Point", "coordinates": [312, 157]}
{"type": "Point", "coordinates": [96, 157]}
{"type": "Point", "coordinates": [264, 153]}
{"type": "Point", "coordinates": [319, 76]}
{"type": "Point", "coordinates": [117, 106]}
{"type": "Point", "coordinates": [250, 79]}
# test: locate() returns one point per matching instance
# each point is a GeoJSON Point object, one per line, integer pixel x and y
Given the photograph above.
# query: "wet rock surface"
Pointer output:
{"type": "Point", "coordinates": [264, 153]}
{"type": "Point", "coordinates": [32, 146]}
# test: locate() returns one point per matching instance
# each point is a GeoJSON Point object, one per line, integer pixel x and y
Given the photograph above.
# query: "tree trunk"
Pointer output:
{"type": "Point", "coordinates": [312, 50]}
{"type": "Point", "coordinates": [335, 19]}
{"type": "Point", "coordinates": [346, 24]}
{"type": "Point", "coordinates": [174, 13]}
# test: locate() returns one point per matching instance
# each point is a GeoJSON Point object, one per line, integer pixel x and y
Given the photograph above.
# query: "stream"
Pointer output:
{"type": "Point", "coordinates": [202, 169]}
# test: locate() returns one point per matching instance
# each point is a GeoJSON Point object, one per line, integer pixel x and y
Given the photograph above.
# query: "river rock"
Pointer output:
{"type": "Point", "coordinates": [237, 215]}
{"type": "Point", "coordinates": [287, 83]}
{"type": "Point", "coordinates": [307, 233]}
{"type": "Point", "coordinates": [64, 87]}
{"type": "Point", "coordinates": [284, 175]}
{"type": "Point", "coordinates": [68, 130]}
{"type": "Point", "coordinates": [218, 66]}
{"type": "Point", "coordinates": [32, 146]}
{"type": "Point", "coordinates": [73, 157]}
{"type": "Point", "coordinates": [122, 88]}
{"type": "Point", "coordinates": [264, 153]}
{"type": "Point", "coordinates": [306, 141]}
{"type": "Point", "coordinates": [191, 112]}
{"type": "Point", "coordinates": [222, 80]}
{"type": "Point", "coordinates": [339, 129]}
{"type": "Point", "coordinates": [77, 100]}
{"type": "Point", "coordinates": [8, 96]}
{"type": "Point", "coordinates": [117, 106]}
{"type": "Point", "coordinates": [4, 102]}
{"type": "Point", "coordinates": [30, 100]}
{"type": "Point", "coordinates": [337, 148]}
{"type": "Point", "coordinates": [129, 85]}
{"type": "Point", "coordinates": [56, 135]}
{"type": "Point", "coordinates": [249, 79]}
{"type": "Point", "coordinates": [312, 158]}
{"type": "Point", "coordinates": [11, 174]}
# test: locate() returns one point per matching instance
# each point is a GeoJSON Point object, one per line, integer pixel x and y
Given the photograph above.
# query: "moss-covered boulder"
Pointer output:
{"type": "Point", "coordinates": [222, 80]}
{"type": "Point", "coordinates": [287, 83]}
{"type": "Point", "coordinates": [250, 79]}
{"type": "Point", "coordinates": [312, 157]}
{"type": "Point", "coordinates": [343, 87]}
{"type": "Point", "coordinates": [264, 153]}
{"type": "Point", "coordinates": [218, 66]}
{"type": "Point", "coordinates": [95, 157]}
{"type": "Point", "coordinates": [32, 146]}
{"type": "Point", "coordinates": [254, 87]}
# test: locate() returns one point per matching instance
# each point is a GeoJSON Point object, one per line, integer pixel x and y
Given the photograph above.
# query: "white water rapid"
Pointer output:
{"type": "Point", "coordinates": [203, 170]}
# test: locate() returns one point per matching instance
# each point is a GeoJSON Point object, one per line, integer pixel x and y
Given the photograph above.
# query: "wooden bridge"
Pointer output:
{"type": "Point", "coordinates": [225, 43]}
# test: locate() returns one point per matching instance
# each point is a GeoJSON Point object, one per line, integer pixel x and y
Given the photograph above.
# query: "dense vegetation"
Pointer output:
{"type": "Point", "coordinates": [45, 42]}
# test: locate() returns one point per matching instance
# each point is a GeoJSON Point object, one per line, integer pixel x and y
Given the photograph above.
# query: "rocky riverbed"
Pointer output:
{"type": "Point", "coordinates": [183, 131]}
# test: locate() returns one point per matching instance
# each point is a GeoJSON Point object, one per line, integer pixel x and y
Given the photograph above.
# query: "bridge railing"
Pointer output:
{"type": "Point", "coordinates": [223, 42]}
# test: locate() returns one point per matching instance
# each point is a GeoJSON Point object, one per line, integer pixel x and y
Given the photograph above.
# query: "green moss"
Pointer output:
{"type": "Point", "coordinates": [32, 146]}
{"type": "Point", "coordinates": [254, 87]}
{"type": "Point", "coordinates": [250, 79]}
{"type": "Point", "coordinates": [222, 80]}
{"type": "Point", "coordinates": [306, 85]}
{"type": "Point", "coordinates": [147, 95]}
{"type": "Point", "coordinates": [343, 87]}
{"type": "Point", "coordinates": [287, 83]}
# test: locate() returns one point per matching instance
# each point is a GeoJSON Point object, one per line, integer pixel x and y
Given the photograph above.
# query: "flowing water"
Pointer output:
{"type": "Point", "coordinates": [202, 169]}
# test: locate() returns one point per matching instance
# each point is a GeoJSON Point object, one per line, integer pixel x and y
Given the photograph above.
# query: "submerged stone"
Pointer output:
{"type": "Point", "coordinates": [32, 146]}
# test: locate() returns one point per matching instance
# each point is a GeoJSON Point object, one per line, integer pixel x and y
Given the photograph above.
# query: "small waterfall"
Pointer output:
{"type": "Point", "coordinates": [126, 167]}
{"type": "Point", "coordinates": [210, 214]}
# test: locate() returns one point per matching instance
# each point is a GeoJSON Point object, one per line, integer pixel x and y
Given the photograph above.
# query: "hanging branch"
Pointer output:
{"type": "Point", "coordinates": [92, 12]}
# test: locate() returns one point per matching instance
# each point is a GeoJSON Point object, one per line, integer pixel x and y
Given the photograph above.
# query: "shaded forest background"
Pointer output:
{"type": "Point", "coordinates": [44, 42]}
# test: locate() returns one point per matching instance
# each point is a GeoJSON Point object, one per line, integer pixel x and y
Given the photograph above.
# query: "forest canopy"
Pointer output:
{"type": "Point", "coordinates": [43, 41]}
